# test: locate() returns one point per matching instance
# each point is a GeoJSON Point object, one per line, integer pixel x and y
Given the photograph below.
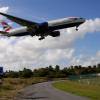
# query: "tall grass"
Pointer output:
{"type": "Point", "coordinates": [11, 86]}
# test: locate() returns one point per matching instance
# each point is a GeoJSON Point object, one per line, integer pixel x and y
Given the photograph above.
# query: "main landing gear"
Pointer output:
{"type": "Point", "coordinates": [77, 28]}
{"type": "Point", "coordinates": [41, 38]}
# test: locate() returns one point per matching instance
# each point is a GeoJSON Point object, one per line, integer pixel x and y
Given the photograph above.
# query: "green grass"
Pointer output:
{"type": "Point", "coordinates": [85, 87]}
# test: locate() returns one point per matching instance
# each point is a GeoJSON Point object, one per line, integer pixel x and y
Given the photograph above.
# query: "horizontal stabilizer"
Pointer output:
{"type": "Point", "coordinates": [3, 32]}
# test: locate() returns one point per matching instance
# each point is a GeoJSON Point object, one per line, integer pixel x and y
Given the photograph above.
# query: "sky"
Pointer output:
{"type": "Point", "coordinates": [71, 48]}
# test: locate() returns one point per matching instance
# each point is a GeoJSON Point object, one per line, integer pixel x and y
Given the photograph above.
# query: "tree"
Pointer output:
{"type": "Point", "coordinates": [57, 68]}
{"type": "Point", "coordinates": [26, 73]}
{"type": "Point", "coordinates": [50, 68]}
{"type": "Point", "coordinates": [11, 74]}
{"type": "Point", "coordinates": [77, 70]}
{"type": "Point", "coordinates": [98, 66]}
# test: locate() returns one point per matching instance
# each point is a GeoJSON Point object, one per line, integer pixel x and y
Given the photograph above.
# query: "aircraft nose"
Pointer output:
{"type": "Point", "coordinates": [83, 20]}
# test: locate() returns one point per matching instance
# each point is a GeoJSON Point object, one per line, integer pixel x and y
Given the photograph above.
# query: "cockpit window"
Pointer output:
{"type": "Point", "coordinates": [81, 18]}
{"type": "Point", "coordinates": [75, 18]}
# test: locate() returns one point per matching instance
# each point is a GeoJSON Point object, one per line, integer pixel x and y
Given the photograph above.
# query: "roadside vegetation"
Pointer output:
{"type": "Point", "coordinates": [11, 86]}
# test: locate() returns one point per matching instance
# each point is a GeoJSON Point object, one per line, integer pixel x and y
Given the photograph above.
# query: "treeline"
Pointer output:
{"type": "Point", "coordinates": [54, 72]}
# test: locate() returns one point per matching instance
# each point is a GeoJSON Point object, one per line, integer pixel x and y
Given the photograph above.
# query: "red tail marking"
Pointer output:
{"type": "Point", "coordinates": [6, 27]}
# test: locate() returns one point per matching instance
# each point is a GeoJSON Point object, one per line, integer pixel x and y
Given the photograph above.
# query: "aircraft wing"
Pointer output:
{"type": "Point", "coordinates": [22, 22]}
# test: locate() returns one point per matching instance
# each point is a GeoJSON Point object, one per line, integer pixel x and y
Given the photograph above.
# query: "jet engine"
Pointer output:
{"type": "Point", "coordinates": [55, 34]}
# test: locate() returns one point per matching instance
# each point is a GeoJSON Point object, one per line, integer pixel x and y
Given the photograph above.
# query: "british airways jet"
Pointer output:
{"type": "Point", "coordinates": [50, 28]}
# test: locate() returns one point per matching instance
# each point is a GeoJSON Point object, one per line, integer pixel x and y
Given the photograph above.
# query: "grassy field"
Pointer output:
{"type": "Point", "coordinates": [84, 87]}
{"type": "Point", "coordinates": [11, 86]}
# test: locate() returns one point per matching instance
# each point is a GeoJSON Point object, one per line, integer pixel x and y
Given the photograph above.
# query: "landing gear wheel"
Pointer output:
{"type": "Point", "coordinates": [76, 28]}
{"type": "Point", "coordinates": [41, 38]}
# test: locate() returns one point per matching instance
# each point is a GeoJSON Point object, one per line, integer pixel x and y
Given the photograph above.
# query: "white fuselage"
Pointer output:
{"type": "Point", "coordinates": [64, 21]}
{"type": "Point", "coordinates": [17, 30]}
{"type": "Point", "coordinates": [53, 25]}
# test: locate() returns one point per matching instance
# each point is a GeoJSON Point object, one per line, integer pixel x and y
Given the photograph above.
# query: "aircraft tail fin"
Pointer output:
{"type": "Point", "coordinates": [6, 26]}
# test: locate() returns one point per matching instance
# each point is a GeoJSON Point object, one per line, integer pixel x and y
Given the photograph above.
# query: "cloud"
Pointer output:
{"type": "Point", "coordinates": [58, 54]}
{"type": "Point", "coordinates": [3, 10]}
{"type": "Point", "coordinates": [15, 53]}
{"type": "Point", "coordinates": [86, 60]}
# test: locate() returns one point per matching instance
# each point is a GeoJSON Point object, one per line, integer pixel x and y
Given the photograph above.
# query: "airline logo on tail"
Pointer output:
{"type": "Point", "coordinates": [6, 27]}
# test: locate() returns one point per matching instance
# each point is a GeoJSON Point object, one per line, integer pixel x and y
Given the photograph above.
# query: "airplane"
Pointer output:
{"type": "Point", "coordinates": [49, 28]}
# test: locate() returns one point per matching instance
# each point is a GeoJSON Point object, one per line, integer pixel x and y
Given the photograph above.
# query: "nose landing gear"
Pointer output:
{"type": "Point", "coordinates": [76, 28]}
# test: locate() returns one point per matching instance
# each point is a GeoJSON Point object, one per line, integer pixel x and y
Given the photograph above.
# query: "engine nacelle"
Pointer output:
{"type": "Point", "coordinates": [55, 34]}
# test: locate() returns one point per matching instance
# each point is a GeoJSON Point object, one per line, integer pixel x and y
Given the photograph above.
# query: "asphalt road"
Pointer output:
{"type": "Point", "coordinates": [45, 91]}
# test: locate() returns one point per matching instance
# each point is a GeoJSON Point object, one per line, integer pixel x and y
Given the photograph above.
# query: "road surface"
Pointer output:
{"type": "Point", "coordinates": [45, 91]}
